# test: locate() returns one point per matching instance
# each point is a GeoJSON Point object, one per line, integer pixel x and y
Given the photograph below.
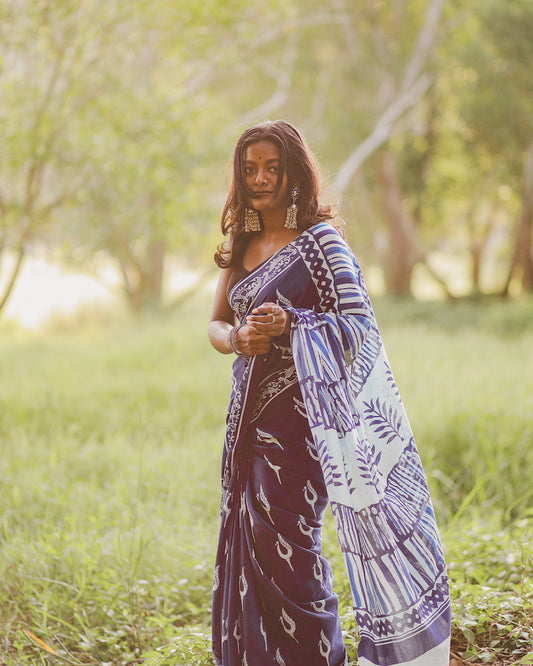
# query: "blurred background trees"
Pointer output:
{"type": "Point", "coordinates": [117, 120]}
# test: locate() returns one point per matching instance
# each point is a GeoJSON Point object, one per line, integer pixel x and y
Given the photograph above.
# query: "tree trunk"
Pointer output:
{"type": "Point", "coordinates": [10, 284]}
{"type": "Point", "coordinates": [479, 237]}
{"type": "Point", "coordinates": [143, 279]}
{"type": "Point", "coordinates": [522, 259]}
{"type": "Point", "coordinates": [476, 252]}
{"type": "Point", "coordinates": [401, 254]}
{"type": "Point", "coordinates": [155, 261]}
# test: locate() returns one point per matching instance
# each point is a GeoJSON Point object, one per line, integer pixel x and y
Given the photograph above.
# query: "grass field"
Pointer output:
{"type": "Point", "coordinates": [110, 441]}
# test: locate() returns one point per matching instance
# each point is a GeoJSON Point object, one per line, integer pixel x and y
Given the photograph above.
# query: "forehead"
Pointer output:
{"type": "Point", "coordinates": [262, 151]}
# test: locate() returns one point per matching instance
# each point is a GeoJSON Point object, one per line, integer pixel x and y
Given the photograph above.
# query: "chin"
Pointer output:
{"type": "Point", "coordinates": [267, 204]}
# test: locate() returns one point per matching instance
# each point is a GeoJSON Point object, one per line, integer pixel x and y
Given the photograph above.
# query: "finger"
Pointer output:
{"type": "Point", "coordinates": [264, 328]}
{"type": "Point", "coordinates": [264, 308]}
{"type": "Point", "coordinates": [258, 330]}
{"type": "Point", "coordinates": [262, 337]}
{"type": "Point", "coordinates": [260, 316]}
{"type": "Point", "coordinates": [261, 319]}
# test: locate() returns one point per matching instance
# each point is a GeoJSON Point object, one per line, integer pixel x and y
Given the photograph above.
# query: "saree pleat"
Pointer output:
{"type": "Point", "coordinates": [319, 419]}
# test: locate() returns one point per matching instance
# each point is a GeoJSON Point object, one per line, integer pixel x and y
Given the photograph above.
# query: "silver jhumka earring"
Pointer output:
{"type": "Point", "coordinates": [251, 220]}
{"type": "Point", "coordinates": [291, 221]}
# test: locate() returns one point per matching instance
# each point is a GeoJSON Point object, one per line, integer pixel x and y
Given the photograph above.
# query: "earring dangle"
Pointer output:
{"type": "Point", "coordinates": [291, 221]}
{"type": "Point", "coordinates": [251, 220]}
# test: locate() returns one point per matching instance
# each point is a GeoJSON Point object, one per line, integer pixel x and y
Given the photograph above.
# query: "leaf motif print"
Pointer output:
{"type": "Point", "coordinates": [276, 586]}
{"type": "Point", "coordinates": [226, 508]}
{"type": "Point", "coordinates": [288, 624]}
{"type": "Point", "coordinates": [324, 645]}
{"type": "Point", "coordinates": [368, 463]}
{"type": "Point", "coordinates": [385, 421]}
{"type": "Point", "coordinates": [390, 380]}
{"type": "Point", "coordinates": [263, 632]}
{"type": "Point", "coordinates": [320, 607]}
{"type": "Point", "coordinates": [252, 525]}
{"type": "Point", "coordinates": [243, 509]}
{"type": "Point", "coordinates": [310, 496]}
{"type": "Point", "coordinates": [299, 406]}
{"type": "Point", "coordinates": [224, 630]}
{"type": "Point", "coordinates": [243, 585]}
{"type": "Point", "coordinates": [264, 503]}
{"type": "Point", "coordinates": [276, 468]}
{"type": "Point", "coordinates": [331, 476]}
{"type": "Point", "coordinates": [266, 438]}
{"type": "Point", "coordinates": [284, 550]}
{"type": "Point", "coordinates": [216, 582]}
{"type": "Point", "coordinates": [279, 659]}
{"type": "Point", "coordinates": [305, 529]}
{"type": "Point", "coordinates": [286, 352]}
{"type": "Point", "coordinates": [318, 571]}
{"type": "Point", "coordinates": [237, 633]}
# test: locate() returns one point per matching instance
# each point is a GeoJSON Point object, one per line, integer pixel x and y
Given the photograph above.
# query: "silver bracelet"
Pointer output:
{"type": "Point", "coordinates": [232, 335]}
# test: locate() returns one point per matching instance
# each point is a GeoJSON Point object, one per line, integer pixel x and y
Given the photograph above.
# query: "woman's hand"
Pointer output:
{"type": "Point", "coordinates": [250, 341]}
{"type": "Point", "coordinates": [270, 319]}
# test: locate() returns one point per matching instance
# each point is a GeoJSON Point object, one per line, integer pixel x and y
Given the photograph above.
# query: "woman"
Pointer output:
{"type": "Point", "coordinates": [314, 417]}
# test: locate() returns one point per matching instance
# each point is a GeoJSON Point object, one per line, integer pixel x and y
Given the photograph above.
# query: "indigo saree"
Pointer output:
{"type": "Point", "coordinates": [319, 420]}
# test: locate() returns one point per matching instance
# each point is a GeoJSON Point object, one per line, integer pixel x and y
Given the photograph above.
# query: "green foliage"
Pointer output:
{"type": "Point", "coordinates": [490, 573]}
{"type": "Point", "coordinates": [117, 119]}
{"type": "Point", "coordinates": [501, 96]}
{"type": "Point", "coordinates": [110, 451]}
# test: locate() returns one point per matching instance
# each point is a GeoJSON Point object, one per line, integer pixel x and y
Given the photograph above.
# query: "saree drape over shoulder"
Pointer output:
{"type": "Point", "coordinates": [319, 419]}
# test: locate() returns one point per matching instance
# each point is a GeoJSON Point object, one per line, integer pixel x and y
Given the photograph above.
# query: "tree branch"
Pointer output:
{"type": "Point", "coordinates": [381, 132]}
{"type": "Point", "coordinates": [278, 99]}
{"type": "Point", "coordinates": [350, 38]}
{"type": "Point", "coordinates": [414, 85]}
{"type": "Point", "coordinates": [425, 42]}
{"type": "Point", "coordinates": [202, 79]}
{"type": "Point", "coordinates": [423, 259]}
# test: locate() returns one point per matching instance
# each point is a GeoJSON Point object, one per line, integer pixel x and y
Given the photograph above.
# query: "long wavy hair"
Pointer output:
{"type": "Point", "coordinates": [300, 165]}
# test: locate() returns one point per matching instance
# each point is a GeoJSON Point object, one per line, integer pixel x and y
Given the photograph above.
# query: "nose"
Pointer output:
{"type": "Point", "coordinates": [260, 177]}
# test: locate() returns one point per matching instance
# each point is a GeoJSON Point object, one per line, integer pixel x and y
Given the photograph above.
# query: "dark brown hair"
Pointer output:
{"type": "Point", "coordinates": [296, 160]}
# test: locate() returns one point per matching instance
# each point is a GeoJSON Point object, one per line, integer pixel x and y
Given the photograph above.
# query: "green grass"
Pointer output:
{"type": "Point", "coordinates": [110, 442]}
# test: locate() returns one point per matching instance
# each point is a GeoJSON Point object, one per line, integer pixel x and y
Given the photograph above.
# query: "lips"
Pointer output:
{"type": "Point", "coordinates": [258, 195]}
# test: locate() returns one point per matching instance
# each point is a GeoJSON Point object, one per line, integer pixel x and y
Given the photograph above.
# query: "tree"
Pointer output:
{"type": "Point", "coordinates": [104, 123]}
{"type": "Point", "coordinates": [118, 116]}
{"type": "Point", "coordinates": [52, 72]}
{"type": "Point", "coordinates": [497, 109]}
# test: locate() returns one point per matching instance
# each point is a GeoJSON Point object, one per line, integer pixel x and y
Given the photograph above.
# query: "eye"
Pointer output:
{"type": "Point", "coordinates": [248, 170]}
{"type": "Point", "coordinates": [274, 169]}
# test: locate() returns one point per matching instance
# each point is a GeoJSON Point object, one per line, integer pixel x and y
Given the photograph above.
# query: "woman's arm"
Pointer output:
{"type": "Point", "coordinates": [247, 339]}
{"type": "Point", "coordinates": [222, 317]}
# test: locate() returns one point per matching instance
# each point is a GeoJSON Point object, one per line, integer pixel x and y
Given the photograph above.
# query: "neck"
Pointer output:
{"type": "Point", "coordinates": [273, 221]}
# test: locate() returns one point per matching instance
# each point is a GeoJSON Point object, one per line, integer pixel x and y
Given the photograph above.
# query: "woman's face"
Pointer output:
{"type": "Point", "coordinates": [261, 167]}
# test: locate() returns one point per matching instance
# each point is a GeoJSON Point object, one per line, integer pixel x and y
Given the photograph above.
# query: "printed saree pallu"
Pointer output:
{"type": "Point", "coordinates": [319, 419]}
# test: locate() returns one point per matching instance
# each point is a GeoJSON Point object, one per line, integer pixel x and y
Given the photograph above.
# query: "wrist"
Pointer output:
{"type": "Point", "coordinates": [233, 340]}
